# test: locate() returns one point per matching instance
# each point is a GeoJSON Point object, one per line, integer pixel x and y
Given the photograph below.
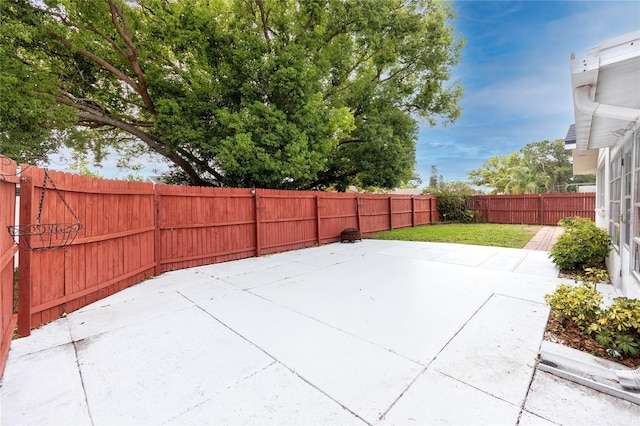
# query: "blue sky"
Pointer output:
{"type": "Point", "coordinates": [515, 71]}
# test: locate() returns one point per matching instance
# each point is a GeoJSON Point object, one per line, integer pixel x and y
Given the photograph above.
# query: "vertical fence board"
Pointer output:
{"type": "Point", "coordinates": [24, 264]}
{"type": "Point", "coordinates": [8, 182]}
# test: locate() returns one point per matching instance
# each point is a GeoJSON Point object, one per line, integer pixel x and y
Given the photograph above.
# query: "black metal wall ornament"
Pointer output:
{"type": "Point", "coordinates": [46, 236]}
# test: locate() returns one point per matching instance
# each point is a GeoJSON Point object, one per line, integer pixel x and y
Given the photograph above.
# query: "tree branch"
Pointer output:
{"type": "Point", "coordinates": [90, 115]}
{"type": "Point", "coordinates": [66, 21]}
{"type": "Point", "coordinates": [304, 28]}
{"type": "Point", "coordinates": [201, 163]}
{"type": "Point", "coordinates": [394, 74]}
{"type": "Point", "coordinates": [98, 60]}
{"type": "Point", "coordinates": [347, 141]}
{"type": "Point", "coordinates": [132, 54]}
{"type": "Point", "coordinates": [336, 33]}
{"type": "Point", "coordinates": [263, 18]}
{"type": "Point", "coordinates": [151, 141]}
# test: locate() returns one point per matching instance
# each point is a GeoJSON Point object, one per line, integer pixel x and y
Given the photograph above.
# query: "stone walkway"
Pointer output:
{"type": "Point", "coordinates": [545, 238]}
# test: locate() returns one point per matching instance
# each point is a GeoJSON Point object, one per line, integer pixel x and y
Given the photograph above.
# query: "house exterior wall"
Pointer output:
{"type": "Point", "coordinates": [606, 134]}
{"type": "Point", "coordinates": [623, 262]}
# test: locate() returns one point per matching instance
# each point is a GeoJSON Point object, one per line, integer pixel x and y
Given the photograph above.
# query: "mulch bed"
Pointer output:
{"type": "Point", "coordinates": [570, 335]}
{"type": "Point", "coordinates": [573, 337]}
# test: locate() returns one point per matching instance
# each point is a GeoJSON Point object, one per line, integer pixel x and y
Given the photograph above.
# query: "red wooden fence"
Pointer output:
{"type": "Point", "coordinates": [534, 209]}
{"type": "Point", "coordinates": [133, 230]}
{"type": "Point", "coordinates": [114, 249]}
{"type": "Point", "coordinates": [8, 249]}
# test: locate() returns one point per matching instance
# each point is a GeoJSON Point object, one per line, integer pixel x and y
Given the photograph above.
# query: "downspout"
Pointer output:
{"type": "Point", "coordinates": [585, 105]}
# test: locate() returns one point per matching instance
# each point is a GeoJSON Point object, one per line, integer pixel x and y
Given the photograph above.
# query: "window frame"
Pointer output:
{"type": "Point", "coordinates": [615, 198]}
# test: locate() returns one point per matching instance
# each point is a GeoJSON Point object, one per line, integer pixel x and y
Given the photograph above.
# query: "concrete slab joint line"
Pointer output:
{"type": "Point", "coordinates": [84, 389]}
{"type": "Point", "coordinates": [431, 361]}
{"type": "Point", "coordinates": [310, 383]}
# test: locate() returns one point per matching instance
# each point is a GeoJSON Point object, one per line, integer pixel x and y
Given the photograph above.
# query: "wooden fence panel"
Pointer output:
{"type": "Point", "coordinates": [199, 226]}
{"type": "Point", "coordinates": [8, 249]}
{"type": "Point", "coordinates": [534, 209]}
{"type": "Point", "coordinates": [337, 213]}
{"type": "Point", "coordinates": [425, 210]}
{"type": "Point", "coordinates": [287, 221]}
{"type": "Point", "coordinates": [559, 206]}
{"type": "Point", "coordinates": [375, 213]}
{"type": "Point", "coordinates": [401, 211]}
{"type": "Point", "coordinates": [113, 250]}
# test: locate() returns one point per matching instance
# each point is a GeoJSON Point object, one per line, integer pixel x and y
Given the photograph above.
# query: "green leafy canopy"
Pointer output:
{"type": "Point", "coordinates": [281, 94]}
{"type": "Point", "coordinates": [539, 167]}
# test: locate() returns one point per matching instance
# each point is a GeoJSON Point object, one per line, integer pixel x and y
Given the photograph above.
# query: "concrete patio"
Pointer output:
{"type": "Point", "coordinates": [375, 332]}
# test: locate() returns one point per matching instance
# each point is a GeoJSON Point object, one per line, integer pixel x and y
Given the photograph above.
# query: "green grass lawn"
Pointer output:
{"type": "Point", "coordinates": [481, 234]}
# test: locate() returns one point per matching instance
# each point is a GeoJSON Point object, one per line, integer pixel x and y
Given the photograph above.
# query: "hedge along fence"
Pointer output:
{"type": "Point", "coordinates": [133, 230]}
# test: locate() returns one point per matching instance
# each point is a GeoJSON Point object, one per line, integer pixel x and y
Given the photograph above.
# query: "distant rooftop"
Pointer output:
{"type": "Point", "coordinates": [570, 139]}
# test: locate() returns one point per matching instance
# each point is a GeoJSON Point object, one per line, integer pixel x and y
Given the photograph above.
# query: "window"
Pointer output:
{"type": "Point", "coordinates": [615, 190]}
{"type": "Point", "coordinates": [627, 166]}
{"type": "Point", "coordinates": [600, 186]}
{"type": "Point", "coordinates": [636, 206]}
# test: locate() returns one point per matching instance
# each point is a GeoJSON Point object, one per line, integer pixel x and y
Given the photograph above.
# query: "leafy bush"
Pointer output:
{"type": "Point", "coordinates": [616, 327]}
{"type": "Point", "coordinates": [453, 198]}
{"type": "Point", "coordinates": [574, 221]}
{"type": "Point", "coordinates": [580, 304]}
{"type": "Point", "coordinates": [592, 276]}
{"type": "Point", "coordinates": [583, 245]}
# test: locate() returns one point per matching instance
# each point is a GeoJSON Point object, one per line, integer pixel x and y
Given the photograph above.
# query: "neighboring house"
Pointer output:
{"type": "Point", "coordinates": [606, 141]}
{"type": "Point", "coordinates": [155, 179]}
{"type": "Point", "coordinates": [407, 191]}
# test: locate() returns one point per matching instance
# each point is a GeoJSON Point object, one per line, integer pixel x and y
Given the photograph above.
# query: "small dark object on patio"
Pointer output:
{"type": "Point", "coordinates": [351, 235]}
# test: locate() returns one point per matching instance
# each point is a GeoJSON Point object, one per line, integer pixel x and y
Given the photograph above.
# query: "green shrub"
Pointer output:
{"type": "Point", "coordinates": [573, 221]}
{"type": "Point", "coordinates": [583, 245]}
{"type": "Point", "coordinates": [453, 198]}
{"type": "Point", "coordinates": [580, 304]}
{"type": "Point", "coordinates": [592, 276]}
{"type": "Point", "coordinates": [616, 327]}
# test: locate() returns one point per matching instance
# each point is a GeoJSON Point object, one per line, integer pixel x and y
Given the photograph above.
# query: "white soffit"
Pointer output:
{"type": "Point", "coordinates": [612, 70]}
{"type": "Point", "coordinates": [585, 162]}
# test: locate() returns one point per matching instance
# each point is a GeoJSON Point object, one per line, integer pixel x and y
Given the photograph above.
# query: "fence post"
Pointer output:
{"type": "Point", "coordinates": [157, 248]}
{"type": "Point", "coordinates": [318, 218]}
{"type": "Point", "coordinates": [413, 211]}
{"type": "Point", "coordinates": [358, 221]}
{"type": "Point", "coordinates": [24, 264]}
{"type": "Point", "coordinates": [541, 201]}
{"type": "Point", "coordinates": [256, 203]}
{"type": "Point", "coordinates": [390, 212]}
{"type": "Point", "coordinates": [432, 200]}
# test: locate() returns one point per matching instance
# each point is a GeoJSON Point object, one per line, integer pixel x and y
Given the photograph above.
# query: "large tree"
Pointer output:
{"type": "Point", "coordinates": [543, 166]}
{"type": "Point", "coordinates": [281, 94]}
